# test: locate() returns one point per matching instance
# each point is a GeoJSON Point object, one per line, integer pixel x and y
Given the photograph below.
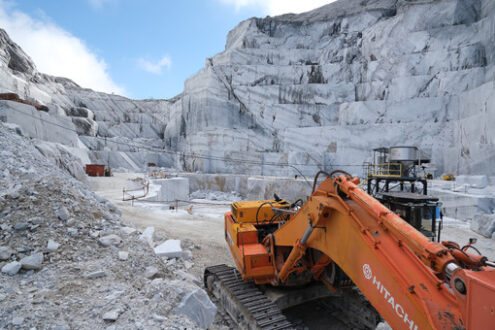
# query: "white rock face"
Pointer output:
{"type": "Point", "coordinates": [483, 224]}
{"type": "Point", "coordinates": [173, 189]}
{"type": "Point", "coordinates": [321, 89]}
{"type": "Point", "coordinates": [260, 188]}
{"type": "Point", "coordinates": [474, 181]}
{"type": "Point", "coordinates": [107, 129]}
{"type": "Point", "coordinates": [317, 90]}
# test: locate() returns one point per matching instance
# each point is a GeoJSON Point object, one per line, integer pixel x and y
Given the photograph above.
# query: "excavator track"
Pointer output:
{"type": "Point", "coordinates": [243, 301]}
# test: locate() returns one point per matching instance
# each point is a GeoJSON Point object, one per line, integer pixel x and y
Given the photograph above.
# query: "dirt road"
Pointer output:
{"type": "Point", "coordinates": [203, 228]}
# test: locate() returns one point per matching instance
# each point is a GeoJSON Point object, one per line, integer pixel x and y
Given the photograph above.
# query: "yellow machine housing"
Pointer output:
{"type": "Point", "coordinates": [246, 211]}
{"type": "Point", "coordinates": [242, 232]}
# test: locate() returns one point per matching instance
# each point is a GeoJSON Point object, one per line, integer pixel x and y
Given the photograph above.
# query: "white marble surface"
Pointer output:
{"type": "Point", "coordinates": [318, 90]}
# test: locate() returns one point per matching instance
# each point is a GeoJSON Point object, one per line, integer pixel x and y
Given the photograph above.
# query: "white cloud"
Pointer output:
{"type": "Point", "coordinates": [56, 51]}
{"type": "Point", "coordinates": [97, 4]}
{"type": "Point", "coordinates": [278, 7]}
{"type": "Point", "coordinates": [155, 67]}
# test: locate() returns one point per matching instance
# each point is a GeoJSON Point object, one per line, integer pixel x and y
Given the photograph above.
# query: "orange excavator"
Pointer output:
{"type": "Point", "coordinates": [344, 238]}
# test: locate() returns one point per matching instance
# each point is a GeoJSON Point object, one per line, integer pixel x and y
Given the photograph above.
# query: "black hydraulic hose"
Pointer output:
{"type": "Point", "coordinates": [328, 176]}
{"type": "Point", "coordinates": [316, 179]}
{"type": "Point", "coordinates": [299, 202]}
{"type": "Point", "coordinates": [456, 248]}
{"type": "Point", "coordinates": [259, 208]}
{"type": "Point", "coordinates": [466, 247]}
{"type": "Point", "coordinates": [305, 179]}
{"type": "Point", "coordinates": [342, 172]}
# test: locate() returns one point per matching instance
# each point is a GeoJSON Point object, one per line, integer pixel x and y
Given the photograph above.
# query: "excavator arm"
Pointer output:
{"type": "Point", "coordinates": [412, 282]}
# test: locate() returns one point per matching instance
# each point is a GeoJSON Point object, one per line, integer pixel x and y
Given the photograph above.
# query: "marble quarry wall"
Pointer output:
{"type": "Point", "coordinates": [318, 90]}
{"type": "Point", "coordinates": [321, 89]}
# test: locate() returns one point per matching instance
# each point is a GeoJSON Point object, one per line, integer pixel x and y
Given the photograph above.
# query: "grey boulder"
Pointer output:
{"type": "Point", "coordinates": [483, 224]}
{"type": "Point", "coordinates": [11, 268]}
{"type": "Point", "coordinates": [33, 261]}
{"type": "Point", "coordinates": [110, 240]}
{"type": "Point", "coordinates": [198, 307]}
{"type": "Point", "coordinates": [62, 214]}
{"type": "Point", "coordinates": [52, 246]}
{"type": "Point", "coordinates": [111, 316]}
{"type": "Point", "coordinates": [5, 252]}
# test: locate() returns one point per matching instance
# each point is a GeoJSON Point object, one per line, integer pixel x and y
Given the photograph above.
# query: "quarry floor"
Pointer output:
{"type": "Point", "coordinates": [204, 226]}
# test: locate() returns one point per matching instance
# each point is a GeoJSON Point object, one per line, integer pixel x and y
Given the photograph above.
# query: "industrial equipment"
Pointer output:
{"type": "Point", "coordinates": [343, 237]}
{"type": "Point", "coordinates": [401, 165]}
{"type": "Point", "coordinates": [395, 179]}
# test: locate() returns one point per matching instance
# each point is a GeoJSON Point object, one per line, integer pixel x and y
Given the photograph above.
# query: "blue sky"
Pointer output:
{"type": "Point", "coordinates": [140, 49]}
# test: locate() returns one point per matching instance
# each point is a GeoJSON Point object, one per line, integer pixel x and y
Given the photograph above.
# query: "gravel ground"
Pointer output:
{"type": "Point", "coordinates": [69, 261]}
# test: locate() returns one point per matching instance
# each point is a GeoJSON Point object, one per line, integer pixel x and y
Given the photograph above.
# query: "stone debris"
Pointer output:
{"type": "Point", "coordinates": [4, 226]}
{"type": "Point", "coordinates": [128, 230]}
{"type": "Point", "coordinates": [33, 261]}
{"type": "Point", "coordinates": [5, 252]}
{"type": "Point", "coordinates": [96, 274]}
{"type": "Point", "coordinates": [170, 248]}
{"type": "Point", "coordinates": [11, 268]}
{"type": "Point", "coordinates": [147, 236]}
{"type": "Point", "coordinates": [123, 255]}
{"type": "Point", "coordinates": [81, 280]}
{"type": "Point", "coordinates": [110, 240]}
{"type": "Point", "coordinates": [198, 307]}
{"type": "Point", "coordinates": [151, 272]}
{"type": "Point", "coordinates": [188, 277]}
{"type": "Point", "coordinates": [112, 315]}
{"type": "Point", "coordinates": [159, 318]}
{"type": "Point", "coordinates": [62, 213]}
{"type": "Point", "coordinates": [17, 321]}
{"type": "Point", "coordinates": [52, 246]}
{"type": "Point", "coordinates": [186, 255]}
{"type": "Point", "coordinates": [21, 226]}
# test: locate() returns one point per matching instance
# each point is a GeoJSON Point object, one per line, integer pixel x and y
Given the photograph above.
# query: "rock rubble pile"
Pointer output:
{"type": "Point", "coordinates": [68, 261]}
